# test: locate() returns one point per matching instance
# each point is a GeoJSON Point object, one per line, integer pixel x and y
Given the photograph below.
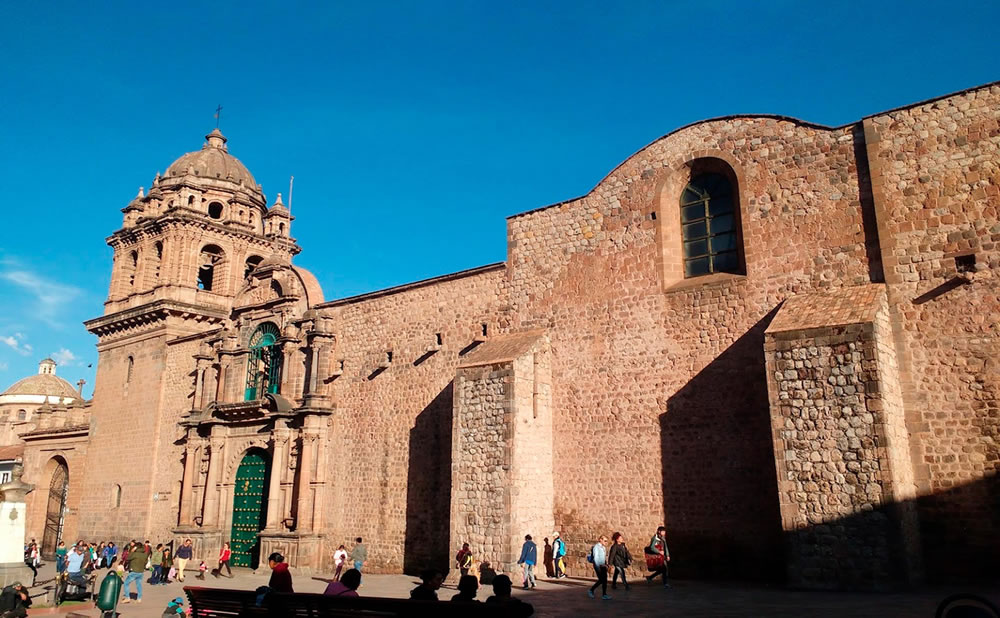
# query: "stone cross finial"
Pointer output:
{"type": "Point", "coordinates": [79, 386]}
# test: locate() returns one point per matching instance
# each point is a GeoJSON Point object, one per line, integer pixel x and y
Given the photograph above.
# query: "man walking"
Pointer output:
{"type": "Point", "coordinates": [464, 559]}
{"type": "Point", "coordinates": [598, 557]}
{"type": "Point", "coordinates": [529, 556]}
{"type": "Point", "coordinates": [181, 557]}
{"type": "Point", "coordinates": [137, 558]}
{"type": "Point", "coordinates": [359, 555]}
{"type": "Point", "coordinates": [558, 552]}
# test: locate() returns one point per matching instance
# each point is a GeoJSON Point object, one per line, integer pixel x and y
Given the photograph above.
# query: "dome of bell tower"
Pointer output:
{"type": "Point", "coordinates": [212, 162]}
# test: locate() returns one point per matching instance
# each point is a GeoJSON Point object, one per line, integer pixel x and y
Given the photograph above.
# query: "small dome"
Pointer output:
{"type": "Point", "coordinates": [213, 161]}
{"type": "Point", "coordinates": [46, 384]}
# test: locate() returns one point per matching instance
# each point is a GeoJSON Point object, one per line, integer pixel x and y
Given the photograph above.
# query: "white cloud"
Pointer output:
{"type": "Point", "coordinates": [64, 357]}
{"type": "Point", "coordinates": [51, 298]}
{"type": "Point", "coordinates": [15, 344]}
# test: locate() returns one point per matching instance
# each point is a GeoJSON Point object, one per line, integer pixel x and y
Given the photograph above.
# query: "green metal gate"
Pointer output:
{"type": "Point", "coordinates": [249, 509]}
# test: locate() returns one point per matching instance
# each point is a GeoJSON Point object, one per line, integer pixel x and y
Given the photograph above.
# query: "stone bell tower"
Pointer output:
{"type": "Point", "coordinates": [184, 251]}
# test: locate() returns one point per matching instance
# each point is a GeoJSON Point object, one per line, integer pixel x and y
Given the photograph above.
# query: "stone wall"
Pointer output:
{"type": "Point", "coordinates": [653, 378]}
{"type": "Point", "coordinates": [840, 456]}
{"type": "Point", "coordinates": [502, 486]}
{"type": "Point", "coordinates": [391, 450]}
{"type": "Point", "coordinates": [481, 461]}
{"type": "Point", "coordinates": [936, 185]}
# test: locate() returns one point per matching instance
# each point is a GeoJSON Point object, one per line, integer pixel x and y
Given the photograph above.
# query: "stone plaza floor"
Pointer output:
{"type": "Point", "coordinates": [569, 596]}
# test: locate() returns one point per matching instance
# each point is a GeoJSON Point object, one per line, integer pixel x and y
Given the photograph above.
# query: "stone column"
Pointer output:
{"type": "Point", "coordinates": [303, 521]}
{"type": "Point", "coordinates": [187, 484]}
{"type": "Point", "coordinates": [275, 512]}
{"type": "Point", "coordinates": [210, 513]}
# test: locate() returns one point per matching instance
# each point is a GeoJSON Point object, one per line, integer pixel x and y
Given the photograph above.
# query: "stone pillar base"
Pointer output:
{"type": "Point", "coordinates": [304, 552]}
{"type": "Point", "coordinates": [205, 542]}
{"type": "Point", "coordinates": [11, 572]}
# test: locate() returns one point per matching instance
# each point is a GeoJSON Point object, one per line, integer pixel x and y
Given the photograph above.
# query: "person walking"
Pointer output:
{"type": "Point", "coordinates": [31, 560]}
{"type": "Point", "coordinates": [528, 559]}
{"type": "Point", "coordinates": [558, 553]}
{"type": "Point", "coordinates": [463, 559]}
{"type": "Point", "coordinates": [619, 558]}
{"type": "Point", "coordinates": [598, 558]}
{"type": "Point", "coordinates": [339, 559]}
{"type": "Point", "coordinates": [359, 555]}
{"type": "Point", "coordinates": [166, 565]}
{"type": "Point", "coordinates": [224, 555]}
{"type": "Point", "coordinates": [155, 561]}
{"type": "Point", "coordinates": [657, 556]}
{"type": "Point", "coordinates": [184, 553]}
{"type": "Point", "coordinates": [137, 558]}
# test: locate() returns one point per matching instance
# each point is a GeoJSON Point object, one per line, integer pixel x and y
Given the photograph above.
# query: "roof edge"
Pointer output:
{"type": "Point", "coordinates": [349, 300]}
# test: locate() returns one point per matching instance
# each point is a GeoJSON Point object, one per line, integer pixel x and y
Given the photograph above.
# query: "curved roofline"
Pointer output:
{"type": "Point", "coordinates": [798, 121]}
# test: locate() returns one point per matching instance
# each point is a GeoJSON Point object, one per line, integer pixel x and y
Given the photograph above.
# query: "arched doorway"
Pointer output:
{"type": "Point", "coordinates": [249, 508]}
{"type": "Point", "coordinates": [55, 511]}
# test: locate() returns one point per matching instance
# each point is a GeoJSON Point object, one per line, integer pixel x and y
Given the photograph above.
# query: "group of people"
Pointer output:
{"type": "Point", "coordinates": [602, 558]}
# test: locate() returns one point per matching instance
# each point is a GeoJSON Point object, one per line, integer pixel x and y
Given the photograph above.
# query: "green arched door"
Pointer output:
{"type": "Point", "coordinates": [249, 509]}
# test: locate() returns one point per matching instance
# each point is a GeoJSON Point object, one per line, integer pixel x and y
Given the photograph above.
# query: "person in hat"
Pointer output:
{"type": "Point", "coordinates": [558, 553]}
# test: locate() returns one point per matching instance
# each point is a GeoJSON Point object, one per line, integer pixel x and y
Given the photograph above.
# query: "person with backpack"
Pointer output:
{"type": "Point", "coordinates": [619, 558]}
{"type": "Point", "coordinates": [558, 553]}
{"type": "Point", "coordinates": [598, 558]}
{"type": "Point", "coordinates": [463, 559]}
{"type": "Point", "coordinates": [657, 556]}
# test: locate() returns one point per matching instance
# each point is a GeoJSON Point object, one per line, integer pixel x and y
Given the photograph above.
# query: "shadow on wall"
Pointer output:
{"type": "Point", "coordinates": [428, 487]}
{"type": "Point", "coordinates": [720, 490]}
{"type": "Point", "coordinates": [960, 537]}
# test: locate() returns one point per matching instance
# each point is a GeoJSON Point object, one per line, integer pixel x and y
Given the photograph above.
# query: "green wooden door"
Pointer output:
{"type": "Point", "coordinates": [249, 510]}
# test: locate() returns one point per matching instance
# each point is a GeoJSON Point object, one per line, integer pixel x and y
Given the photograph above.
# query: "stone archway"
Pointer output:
{"type": "Point", "coordinates": [249, 507]}
{"type": "Point", "coordinates": [55, 510]}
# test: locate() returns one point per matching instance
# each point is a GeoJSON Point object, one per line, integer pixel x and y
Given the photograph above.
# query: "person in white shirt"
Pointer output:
{"type": "Point", "coordinates": [339, 558]}
{"type": "Point", "coordinates": [599, 558]}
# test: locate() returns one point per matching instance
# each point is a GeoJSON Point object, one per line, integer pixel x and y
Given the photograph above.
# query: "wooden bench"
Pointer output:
{"type": "Point", "coordinates": [225, 603]}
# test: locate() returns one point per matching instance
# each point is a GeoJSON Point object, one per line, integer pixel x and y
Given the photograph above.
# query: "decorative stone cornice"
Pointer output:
{"type": "Point", "coordinates": [150, 314]}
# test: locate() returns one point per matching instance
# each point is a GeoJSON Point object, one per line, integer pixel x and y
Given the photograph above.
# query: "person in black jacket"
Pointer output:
{"type": "Point", "coordinates": [620, 558]}
{"type": "Point", "coordinates": [14, 601]}
{"type": "Point", "coordinates": [427, 591]}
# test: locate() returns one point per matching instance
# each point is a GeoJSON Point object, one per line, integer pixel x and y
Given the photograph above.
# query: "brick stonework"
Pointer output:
{"type": "Point", "coordinates": [651, 401]}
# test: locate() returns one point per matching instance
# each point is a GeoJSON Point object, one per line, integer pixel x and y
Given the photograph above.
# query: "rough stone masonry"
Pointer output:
{"type": "Point", "coordinates": [779, 339]}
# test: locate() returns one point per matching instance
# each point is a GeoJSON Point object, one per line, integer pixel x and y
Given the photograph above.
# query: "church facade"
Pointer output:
{"type": "Point", "coordinates": [778, 339]}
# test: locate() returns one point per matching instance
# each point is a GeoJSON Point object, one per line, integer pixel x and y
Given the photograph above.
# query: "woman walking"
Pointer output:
{"type": "Point", "coordinates": [657, 556]}
{"type": "Point", "coordinates": [619, 558]}
{"type": "Point", "coordinates": [224, 555]}
{"type": "Point", "coordinates": [599, 559]}
{"type": "Point", "coordinates": [31, 559]}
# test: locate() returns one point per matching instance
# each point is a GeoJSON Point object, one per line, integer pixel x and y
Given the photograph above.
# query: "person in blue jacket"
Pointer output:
{"type": "Point", "coordinates": [528, 559]}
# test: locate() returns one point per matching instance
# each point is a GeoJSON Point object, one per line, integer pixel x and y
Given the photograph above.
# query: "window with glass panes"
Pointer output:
{"type": "Point", "coordinates": [708, 226]}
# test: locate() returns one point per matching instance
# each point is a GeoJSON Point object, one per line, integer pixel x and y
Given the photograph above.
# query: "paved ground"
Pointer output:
{"type": "Point", "coordinates": [569, 596]}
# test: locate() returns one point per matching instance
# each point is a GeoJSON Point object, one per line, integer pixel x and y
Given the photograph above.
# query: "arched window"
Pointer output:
{"type": "Point", "coordinates": [251, 265]}
{"type": "Point", "coordinates": [116, 496]}
{"type": "Point", "coordinates": [709, 226]}
{"type": "Point", "coordinates": [133, 265]}
{"type": "Point", "coordinates": [22, 415]}
{"type": "Point", "coordinates": [281, 228]}
{"type": "Point", "coordinates": [128, 369]}
{"type": "Point", "coordinates": [215, 210]}
{"type": "Point", "coordinates": [211, 257]}
{"type": "Point", "coordinates": [158, 249]}
{"type": "Point", "coordinates": [190, 200]}
{"type": "Point", "coordinates": [263, 362]}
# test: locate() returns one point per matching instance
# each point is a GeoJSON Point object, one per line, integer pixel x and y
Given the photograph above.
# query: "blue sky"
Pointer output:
{"type": "Point", "coordinates": [412, 128]}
